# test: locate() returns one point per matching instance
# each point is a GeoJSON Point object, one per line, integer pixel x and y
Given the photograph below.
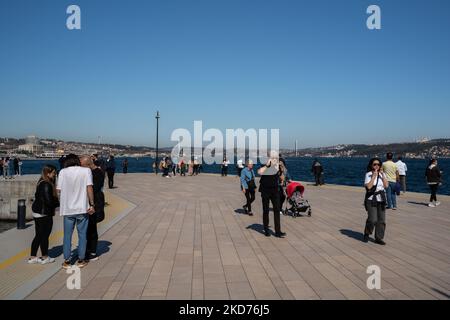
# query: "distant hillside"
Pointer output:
{"type": "Point", "coordinates": [436, 147]}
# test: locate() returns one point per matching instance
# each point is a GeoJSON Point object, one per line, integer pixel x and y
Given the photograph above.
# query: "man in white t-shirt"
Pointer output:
{"type": "Point", "coordinates": [76, 202]}
{"type": "Point", "coordinates": [402, 168]}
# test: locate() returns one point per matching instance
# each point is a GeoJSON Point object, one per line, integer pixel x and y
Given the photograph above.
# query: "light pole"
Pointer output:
{"type": "Point", "coordinates": [157, 133]}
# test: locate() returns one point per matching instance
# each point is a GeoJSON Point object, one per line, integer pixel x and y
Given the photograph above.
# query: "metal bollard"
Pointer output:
{"type": "Point", "coordinates": [21, 213]}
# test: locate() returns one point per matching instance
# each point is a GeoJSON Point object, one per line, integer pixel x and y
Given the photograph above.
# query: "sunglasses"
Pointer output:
{"type": "Point", "coordinates": [376, 164]}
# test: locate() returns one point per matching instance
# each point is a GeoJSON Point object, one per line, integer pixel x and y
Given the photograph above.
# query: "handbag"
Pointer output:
{"type": "Point", "coordinates": [251, 183]}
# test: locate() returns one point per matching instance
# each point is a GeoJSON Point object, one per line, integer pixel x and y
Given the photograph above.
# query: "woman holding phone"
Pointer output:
{"type": "Point", "coordinates": [375, 201]}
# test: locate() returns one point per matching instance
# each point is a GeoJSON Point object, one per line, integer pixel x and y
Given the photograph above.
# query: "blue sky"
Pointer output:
{"type": "Point", "coordinates": [310, 68]}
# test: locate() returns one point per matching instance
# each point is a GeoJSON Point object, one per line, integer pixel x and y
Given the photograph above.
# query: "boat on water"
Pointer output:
{"type": "Point", "coordinates": [48, 155]}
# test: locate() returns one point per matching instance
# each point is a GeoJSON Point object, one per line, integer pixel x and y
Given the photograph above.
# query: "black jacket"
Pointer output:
{"type": "Point", "coordinates": [433, 175]}
{"type": "Point", "coordinates": [45, 199]}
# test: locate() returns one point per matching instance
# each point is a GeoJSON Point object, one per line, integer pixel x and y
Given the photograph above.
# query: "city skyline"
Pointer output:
{"type": "Point", "coordinates": [311, 69]}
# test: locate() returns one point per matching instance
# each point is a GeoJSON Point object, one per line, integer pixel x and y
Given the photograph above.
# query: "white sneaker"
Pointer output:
{"type": "Point", "coordinates": [437, 203]}
{"type": "Point", "coordinates": [33, 260]}
{"type": "Point", "coordinates": [46, 260]}
{"type": "Point", "coordinates": [432, 205]}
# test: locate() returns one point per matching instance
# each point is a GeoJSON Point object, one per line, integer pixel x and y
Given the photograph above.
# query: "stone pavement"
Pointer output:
{"type": "Point", "coordinates": [188, 239]}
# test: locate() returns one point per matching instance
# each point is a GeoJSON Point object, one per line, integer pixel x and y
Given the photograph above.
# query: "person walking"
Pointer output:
{"type": "Point", "coordinates": [98, 179]}
{"type": "Point", "coordinates": [20, 167]}
{"type": "Point", "coordinates": [248, 186]}
{"type": "Point", "coordinates": [125, 166]}
{"type": "Point", "coordinates": [174, 167]}
{"type": "Point", "coordinates": [317, 170]}
{"type": "Point", "coordinates": [2, 160]}
{"type": "Point", "coordinates": [433, 176]}
{"type": "Point", "coordinates": [391, 172]}
{"type": "Point", "coordinates": [268, 186]}
{"type": "Point", "coordinates": [191, 167]}
{"type": "Point", "coordinates": [375, 201]}
{"type": "Point", "coordinates": [196, 166]}
{"type": "Point", "coordinates": [165, 167]}
{"type": "Point", "coordinates": [225, 164]}
{"type": "Point", "coordinates": [44, 205]}
{"type": "Point", "coordinates": [75, 186]}
{"type": "Point", "coordinates": [6, 168]}
{"type": "Point", "coordinates": [110, 170]}
{"type": "Point", "coordinates": [402, 168]}
{"type": "Point", "coordinates": [182, 167]}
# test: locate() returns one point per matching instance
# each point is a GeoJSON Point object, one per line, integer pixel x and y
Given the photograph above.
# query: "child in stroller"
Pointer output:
{"type": "Point", "coordinates": [294, 191]}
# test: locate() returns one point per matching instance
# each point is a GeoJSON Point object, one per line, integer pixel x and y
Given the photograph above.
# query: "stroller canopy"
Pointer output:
{"type": "Point", "coordinates": [294, 186]}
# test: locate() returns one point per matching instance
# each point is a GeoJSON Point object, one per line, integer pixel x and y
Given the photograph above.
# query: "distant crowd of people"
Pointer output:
{"type": "Point", "coordinates": [77, 190]}
{"type": "Point", "coordinates": [171, 167]}
{"type": "Point", "coordinates": [10, 167]}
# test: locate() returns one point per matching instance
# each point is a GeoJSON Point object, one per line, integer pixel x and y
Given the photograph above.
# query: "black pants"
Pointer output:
{"type": "Point", "coordinates": [43, 228]}
{"type": "Point", "coordinates": [318, 179]}
{"type": "Point", "coordinates": [282, 197]}
{"type": "Point", "coordinates": [273, 196]}
{"type": "Point", "coordinates": [224, 171]}
{"type": "Point", "coordinates": [376, 219]}
{"type": "Point", "coordinates": [16, 170]}
{"type": "Point", "coordinates": [92, 235]}
{"type": "Point", "coordinates": [433, 188]}
{"type": "Point", "coordinates": [125, 170]}
{"type": "Point", "coordinates": [250, 196]}
{"type": "Point", "coordinates": [110, 179]}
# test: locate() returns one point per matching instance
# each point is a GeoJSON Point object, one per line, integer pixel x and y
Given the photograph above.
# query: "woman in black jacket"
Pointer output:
{"type": "Point", "coordinates": [44, 205]}
{"type": "Point", "coordinates": [268, 186]}
{"type": "Point", "coordinates": [433, 175]}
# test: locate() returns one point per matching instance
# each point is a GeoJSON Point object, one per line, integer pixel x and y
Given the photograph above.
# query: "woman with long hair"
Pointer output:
{"type": "Point", "coordinates": [375, 201]}
{"type": "Point", "coordinates": [44, 205]}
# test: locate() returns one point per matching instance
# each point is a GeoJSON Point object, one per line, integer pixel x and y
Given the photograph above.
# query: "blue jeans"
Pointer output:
{"type": "Point", "coordinates": [391, 196]}
{"type": "Point", "coordinates": [81, 221]}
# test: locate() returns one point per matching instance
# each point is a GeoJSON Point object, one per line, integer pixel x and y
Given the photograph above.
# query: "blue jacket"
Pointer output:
{"type": "Point", "coordinates": [246, 176]}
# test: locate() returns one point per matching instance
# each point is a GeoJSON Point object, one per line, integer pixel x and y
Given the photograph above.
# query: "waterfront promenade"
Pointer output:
{"type": "Point", "coordinates": [186, 238]}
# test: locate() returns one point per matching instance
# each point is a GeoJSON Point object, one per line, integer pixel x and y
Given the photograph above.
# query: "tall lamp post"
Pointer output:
{"type": "Point", "coordinates": [157, 133]}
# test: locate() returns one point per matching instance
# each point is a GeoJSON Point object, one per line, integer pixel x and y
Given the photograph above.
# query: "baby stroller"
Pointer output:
{"type": "Point", "coordinates": [294, 192]}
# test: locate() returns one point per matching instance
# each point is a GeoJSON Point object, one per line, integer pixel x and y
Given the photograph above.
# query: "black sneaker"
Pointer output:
{"type": "Point", "coordinates": [280, 234]}
{"type": "Point", "coordinates": [92, 257]}
{"type": "Point", "coordinates": [267, 233]}
{"type": "Point", "coordinates": [380, 242]}
{"type": "Point", "coordinates": [250, 213]}
{"type": "Point", "coordinates": [366, 238]}
{"type": "Point", "coordinates": [245, 209]}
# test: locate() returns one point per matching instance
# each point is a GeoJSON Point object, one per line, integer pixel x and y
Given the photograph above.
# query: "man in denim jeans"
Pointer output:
{"type": "Point", "coordinates": [76, 203]}
{"type": "Point", "coordinates": [391, 171]}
